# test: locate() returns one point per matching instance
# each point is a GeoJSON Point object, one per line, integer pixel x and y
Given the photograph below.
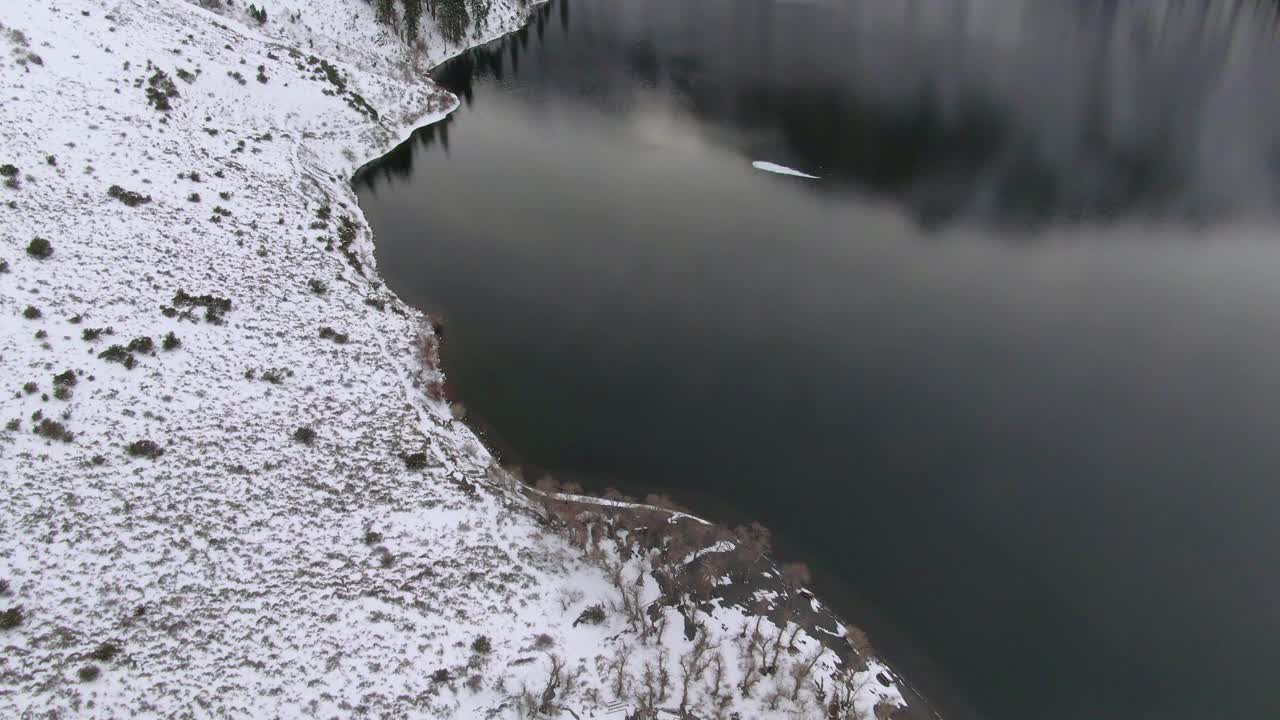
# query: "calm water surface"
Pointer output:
{"type": "Point", "coordinates": [1009, 371]}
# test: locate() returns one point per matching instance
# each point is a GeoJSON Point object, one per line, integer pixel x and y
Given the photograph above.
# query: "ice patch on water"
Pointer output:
{"type": "Point", "coordinates": [780, 169]}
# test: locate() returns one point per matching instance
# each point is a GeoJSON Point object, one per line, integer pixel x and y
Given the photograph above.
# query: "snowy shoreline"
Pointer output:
{"type": "Point", "coordinates": [232, 483]}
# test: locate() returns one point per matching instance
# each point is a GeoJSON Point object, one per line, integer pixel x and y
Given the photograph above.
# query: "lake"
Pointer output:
{"type": "Point", "coordinates": [1004, 373]}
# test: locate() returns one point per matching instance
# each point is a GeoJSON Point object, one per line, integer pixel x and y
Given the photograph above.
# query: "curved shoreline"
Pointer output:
{"type": "Point", "coordinates": [266, 515]}
{"type": "Point", "coordinates": [918, 706]}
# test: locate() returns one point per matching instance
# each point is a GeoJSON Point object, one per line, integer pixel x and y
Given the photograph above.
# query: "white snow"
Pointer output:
{"type": "Point", "coordinates": [243, 573]}
{"type": "Point", "coordinates": [781, 169]}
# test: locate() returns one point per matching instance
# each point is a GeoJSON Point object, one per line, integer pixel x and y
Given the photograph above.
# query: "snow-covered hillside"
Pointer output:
{"type": "Point", "coordinates": [230, 486]}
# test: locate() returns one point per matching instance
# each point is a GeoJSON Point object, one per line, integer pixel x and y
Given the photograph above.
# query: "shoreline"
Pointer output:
{"type": "Point", "coordinates": [919, 706]}
{"type": "Point", "coordinates": [248, 501]}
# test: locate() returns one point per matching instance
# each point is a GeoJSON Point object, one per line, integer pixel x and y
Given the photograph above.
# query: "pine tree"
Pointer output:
{"type": "Point", "coordinates": [385, 11]}
{"type": "Point", "coordinates": [479, 10]}
{"type": "Point", "coordinates": [412, 18]}
{"type": "Point", "coordinates": [451, 15]}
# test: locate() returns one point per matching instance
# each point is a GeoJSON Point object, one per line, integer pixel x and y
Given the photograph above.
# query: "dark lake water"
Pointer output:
{"type": "Point", "coordinates": [1008, 373]}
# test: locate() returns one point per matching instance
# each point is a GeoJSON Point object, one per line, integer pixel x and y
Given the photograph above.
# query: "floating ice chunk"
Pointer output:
{"type": "Point", "coordinates": [780, 169]}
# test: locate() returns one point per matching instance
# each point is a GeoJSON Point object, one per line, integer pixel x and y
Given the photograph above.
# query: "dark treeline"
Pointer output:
{"type": "Point", "coordinates": [459, 76]}
{"type": "Point", "coordinates": [1079, 112]}
{"type": "Point", "coordinates": [453, 17]}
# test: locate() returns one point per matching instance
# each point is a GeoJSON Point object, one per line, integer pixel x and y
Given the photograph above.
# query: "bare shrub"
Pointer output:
{"type": "Point", "coordinates": [593, 615]}
{"type": "Point", "coordinates": [858, 640]}
{"type": "Point", "coordinates": [119, 354]}
{"type": "Point", "coordinates": [105, 652]}
{"type": "Point", "coordinates": [54, 430]}
{"type": "Point", "coordinates": [144, 448]}
{"type": "Point", "coordinates": [328, 333]}
{"type": "Point", "coordinates": [214, 307]}
{"type": "Point", "coordinates": [694, 664]}
{"type": "Point", "coordinates": [844, 694]}
{"type": "Point", "coordinates": [617, 668]}
{"type": "Point", "coordinates": [796, 575]}
{"type": "Point", "coordinates": [11, 618]}
{"type": "Point", "coordinates": [414, 461]}
{"type": "Point", "coordinates": [128, 197]}
{"type": "Point", "coordinates": [547, 699]}
{"type": "Point", "coordinates": [801, 673]}
{"type": "Point", "coordinates": [40, 248]}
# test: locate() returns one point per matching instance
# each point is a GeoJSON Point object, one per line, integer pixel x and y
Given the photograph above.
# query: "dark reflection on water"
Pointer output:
{"type": "Point", "coordinates": [1005, 112]}
{"type": "Point", "coordinates": [1050, 465]}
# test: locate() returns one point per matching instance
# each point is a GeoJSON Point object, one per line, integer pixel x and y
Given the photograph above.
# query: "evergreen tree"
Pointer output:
{"type": "Point", "coordinates": [412, 18]}
{"type": "Point", "coordinates": [452, 17]}
{"type": "Point", "coordinates": [385, 11]}
{"type": "Point", "coordinates": [479, 10]}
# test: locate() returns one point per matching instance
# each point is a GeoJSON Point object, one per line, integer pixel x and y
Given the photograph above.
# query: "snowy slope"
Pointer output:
{"type": "Point", "coordinates": [232, 566]}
